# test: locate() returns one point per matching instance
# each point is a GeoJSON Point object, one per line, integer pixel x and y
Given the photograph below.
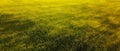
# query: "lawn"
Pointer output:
{"type": "Point", "coordinates": [59, 25]}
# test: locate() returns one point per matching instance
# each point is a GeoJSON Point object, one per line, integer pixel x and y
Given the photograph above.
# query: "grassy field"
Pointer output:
{"type": "Point", "coordinates": [59, 25]}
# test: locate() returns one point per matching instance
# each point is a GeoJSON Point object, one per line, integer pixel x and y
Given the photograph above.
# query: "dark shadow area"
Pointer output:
{"type": "Point", "coordinates": [8, 22]}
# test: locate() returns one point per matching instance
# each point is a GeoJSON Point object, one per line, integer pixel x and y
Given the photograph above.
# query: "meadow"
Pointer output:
{"type": "Point", "coordinates": [59, 25]}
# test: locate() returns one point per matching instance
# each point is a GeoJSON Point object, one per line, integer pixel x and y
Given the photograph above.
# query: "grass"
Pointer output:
{"type": "Point", "coordinates": [59, 25]}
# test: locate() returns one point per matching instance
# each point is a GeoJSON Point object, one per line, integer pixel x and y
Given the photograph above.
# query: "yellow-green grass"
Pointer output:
{"type": "Point", "coordinates": [50, 25]}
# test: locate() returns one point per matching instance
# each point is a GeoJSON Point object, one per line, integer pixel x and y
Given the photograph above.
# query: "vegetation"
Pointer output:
{"type": "Point", "coordinates": [50, 25]}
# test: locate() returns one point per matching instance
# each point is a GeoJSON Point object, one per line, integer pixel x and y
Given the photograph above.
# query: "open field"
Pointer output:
{"type": "Point", "coordinates": [54, 25]}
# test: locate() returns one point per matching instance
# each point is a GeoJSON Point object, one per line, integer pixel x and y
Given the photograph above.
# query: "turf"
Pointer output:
{"type": "Point", "coordinates": [54, 25]}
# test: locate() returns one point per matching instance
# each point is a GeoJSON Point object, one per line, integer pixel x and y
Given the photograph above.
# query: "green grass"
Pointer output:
{"type": "Point", "coordinates": [60, 26]}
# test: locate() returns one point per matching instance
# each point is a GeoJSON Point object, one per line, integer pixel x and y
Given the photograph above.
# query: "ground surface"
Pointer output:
{"type": "Point", "coordinates": [59, 25]}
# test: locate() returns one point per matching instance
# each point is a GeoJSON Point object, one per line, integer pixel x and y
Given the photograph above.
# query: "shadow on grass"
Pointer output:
{"type": "Point", "coordinates": [8, 22]}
